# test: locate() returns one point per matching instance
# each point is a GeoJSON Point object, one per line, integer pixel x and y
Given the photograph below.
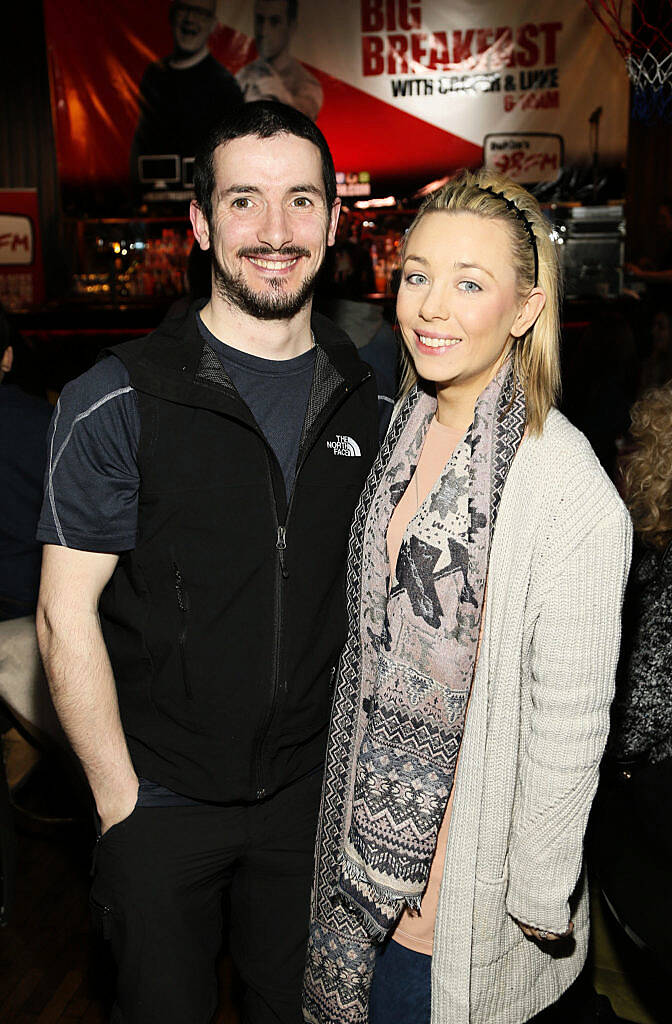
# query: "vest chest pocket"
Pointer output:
{"type": "Point", "coordinates": [188, 450]}
{"type": "Point", "coordinates": [182, 597]}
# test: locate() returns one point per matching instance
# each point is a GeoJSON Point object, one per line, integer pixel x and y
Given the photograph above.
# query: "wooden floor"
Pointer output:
{"type": "Point", "coordinates": [52, 970]}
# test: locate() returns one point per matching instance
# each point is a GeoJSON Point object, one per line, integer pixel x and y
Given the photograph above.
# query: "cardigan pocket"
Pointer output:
{"type": "Point", "coordinates": [495, 933]}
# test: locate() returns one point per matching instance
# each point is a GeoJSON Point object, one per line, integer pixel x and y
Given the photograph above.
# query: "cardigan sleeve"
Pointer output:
{"type": "Point", "coordinates": [577, 597]}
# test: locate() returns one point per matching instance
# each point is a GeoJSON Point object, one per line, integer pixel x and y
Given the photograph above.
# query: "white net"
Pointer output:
{"type": "Point", "coordinates": [646, 69]}
{"type": "Point", "coordinates": [642, 33]}
{"type": "Point", "coordinates": [651, 77]}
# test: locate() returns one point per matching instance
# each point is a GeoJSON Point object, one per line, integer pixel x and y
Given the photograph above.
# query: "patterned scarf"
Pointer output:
{"type": "Point", "coordinates": [402, 689]}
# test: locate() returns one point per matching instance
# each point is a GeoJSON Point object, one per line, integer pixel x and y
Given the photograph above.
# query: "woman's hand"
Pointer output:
{"type": "Point", "coordinates": [541, 936]}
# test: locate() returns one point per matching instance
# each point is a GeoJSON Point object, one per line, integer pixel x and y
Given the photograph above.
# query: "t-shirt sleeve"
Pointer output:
{"type": "Point", "coordinates": [91, 480]}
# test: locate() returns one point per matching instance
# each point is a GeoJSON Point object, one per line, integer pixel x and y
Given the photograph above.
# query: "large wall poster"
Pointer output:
{"type": "Point", "coordinates": [404, 91]}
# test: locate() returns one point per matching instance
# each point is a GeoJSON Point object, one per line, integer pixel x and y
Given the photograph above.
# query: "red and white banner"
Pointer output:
{"type": "Point", "coordinates": [404, 90]}
{"type": "Point", "coordinates": [21, 270]}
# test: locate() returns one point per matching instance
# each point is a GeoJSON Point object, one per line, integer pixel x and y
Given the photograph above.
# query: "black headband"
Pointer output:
{"type": "Point", "coordinates": [522, 217]}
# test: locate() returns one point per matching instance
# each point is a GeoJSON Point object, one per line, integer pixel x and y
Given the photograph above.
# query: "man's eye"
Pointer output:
{"type": "Point", "coordinates": [242, 203]}
{"type": "Point", "coordinates": [302, 201]}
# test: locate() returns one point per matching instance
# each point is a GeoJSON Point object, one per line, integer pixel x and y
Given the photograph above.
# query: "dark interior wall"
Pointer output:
{"type": "Point", "coordinates": [649, 161]}
{"type": "Point", "coordinates": [649, 181]}
{"type": "Point", "coordinates": [27, 151]}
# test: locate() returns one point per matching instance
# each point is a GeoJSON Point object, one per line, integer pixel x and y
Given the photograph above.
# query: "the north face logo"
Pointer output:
{"type": "Point", "coordinates": [344, 445]}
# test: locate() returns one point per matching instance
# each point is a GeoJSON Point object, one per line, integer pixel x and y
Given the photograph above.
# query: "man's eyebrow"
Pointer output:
{"type": "Point", "coordinates": [234, 190]}
{"type": "Point", "coordinates": [312, 190]}
{"type": "Point", "coordinates": [242, 189]}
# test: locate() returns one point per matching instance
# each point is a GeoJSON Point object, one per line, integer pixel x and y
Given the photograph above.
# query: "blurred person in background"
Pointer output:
{"type": "Point", "coordinates": [275, 74]}
{"type": "Point", "coordinates": [600, 385]}
{"type": "Point", "coordinates": [657, 274]}
{"type": "Point", "coordinates": [657, 367]}
{"type": "Point", "coordinates": [24, 422]}
{"type": "Point", "coordinates": [186, 93]}
{"type": "Point", "coordinates": [633, 826]}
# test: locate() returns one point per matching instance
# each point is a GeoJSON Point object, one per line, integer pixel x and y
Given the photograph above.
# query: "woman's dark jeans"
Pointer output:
{"type": "Point", "coordinates": [401, 993]}
{"type": "Point", "coordinates": [401, 989]}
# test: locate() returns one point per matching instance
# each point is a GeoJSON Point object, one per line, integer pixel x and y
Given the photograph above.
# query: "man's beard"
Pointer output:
{"type": "Point", "coordinates": [274, 304]}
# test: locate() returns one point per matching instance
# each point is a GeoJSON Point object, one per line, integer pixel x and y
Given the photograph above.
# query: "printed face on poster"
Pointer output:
{"type": "Point", "coordinates": [405, 92]}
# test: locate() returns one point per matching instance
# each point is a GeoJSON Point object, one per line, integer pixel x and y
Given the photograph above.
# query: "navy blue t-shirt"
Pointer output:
{"type": "Point", "coordinates": [276, 392]}
{"type": "Point", "coordinates": [91, 482]}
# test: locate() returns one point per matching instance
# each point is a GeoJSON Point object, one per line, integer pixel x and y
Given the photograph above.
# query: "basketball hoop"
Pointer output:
{"type": "Point", "coordinates": [646, 47]}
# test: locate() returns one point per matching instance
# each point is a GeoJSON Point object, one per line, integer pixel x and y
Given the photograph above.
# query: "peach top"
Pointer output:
{"type": "Point", "coordinates": [415, 930]}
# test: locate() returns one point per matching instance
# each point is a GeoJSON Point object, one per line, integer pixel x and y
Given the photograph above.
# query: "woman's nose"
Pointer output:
{"type": "Point", "coordinates": [435, 305]}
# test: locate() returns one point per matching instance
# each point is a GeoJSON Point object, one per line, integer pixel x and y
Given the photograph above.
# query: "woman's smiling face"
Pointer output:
{"type": "Point", "coordinates": [458, 301]}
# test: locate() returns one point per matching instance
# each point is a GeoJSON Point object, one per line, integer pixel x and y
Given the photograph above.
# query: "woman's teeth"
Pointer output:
{"type": "Point", "coordinates": [438, 342]}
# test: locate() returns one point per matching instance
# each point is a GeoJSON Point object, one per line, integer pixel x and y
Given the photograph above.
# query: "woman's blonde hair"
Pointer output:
{"type": "Point", "coordinates": [647, 472]}
{"type": "Point", "coordinates": [537, 354]}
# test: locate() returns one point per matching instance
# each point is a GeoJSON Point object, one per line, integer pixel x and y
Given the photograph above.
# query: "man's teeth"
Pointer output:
{"type": "Point", "coordinates": [272, 264]}
{"type": "Point", "coordinates": [439, 342]}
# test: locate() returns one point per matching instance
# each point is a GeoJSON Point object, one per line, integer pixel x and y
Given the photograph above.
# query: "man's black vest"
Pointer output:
{"type": "Point", "coordinates": [225, 622]}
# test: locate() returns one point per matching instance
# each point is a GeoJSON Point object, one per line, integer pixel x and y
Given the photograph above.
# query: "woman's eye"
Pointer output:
{"type": "Point", "coordinates": [469, 286]}
{"type": "Point", "coordinates": [416, 278]}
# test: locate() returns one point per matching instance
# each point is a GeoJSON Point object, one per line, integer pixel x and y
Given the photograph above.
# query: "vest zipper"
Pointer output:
{"type": "Point", "coordinates": [183, 604]}
{"type": "Point", "coordinates": [281, 545]}
{"type": "Point", "coordinates": [282, 572]}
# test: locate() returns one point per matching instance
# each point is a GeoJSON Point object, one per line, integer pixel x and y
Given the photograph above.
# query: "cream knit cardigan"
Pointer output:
{"type": "Point", "coordinates": [536, 727]}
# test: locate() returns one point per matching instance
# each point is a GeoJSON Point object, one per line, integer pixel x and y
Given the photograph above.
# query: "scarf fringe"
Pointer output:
{"type": "Point", "coordinates": [385, 893]}
{"type": "Point", "coordinates": [388, 903]}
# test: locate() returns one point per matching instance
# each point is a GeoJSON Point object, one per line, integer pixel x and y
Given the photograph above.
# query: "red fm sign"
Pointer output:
{"type": "Point", "coordinates": [17, 240]}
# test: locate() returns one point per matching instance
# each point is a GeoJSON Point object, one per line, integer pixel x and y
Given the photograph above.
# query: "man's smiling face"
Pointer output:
{"type": "Point", "coordinates": [270, 224]}
{"type": "Point", "coordinates": [192, 24]}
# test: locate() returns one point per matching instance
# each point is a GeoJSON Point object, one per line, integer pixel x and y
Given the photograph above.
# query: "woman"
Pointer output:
{"type": "Point", "coordinates": [642, 711]}
{"type": "Point", "coordinates": [632, 830]}
{"type": "Point", "coordinates": [498, 487]}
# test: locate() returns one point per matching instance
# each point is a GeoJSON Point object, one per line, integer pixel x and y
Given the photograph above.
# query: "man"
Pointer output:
{"type": "Point", "coordinates": [184, 95]}
{"type": "Point", "coordinates": [658, 276]}
{"type": "Point", "coordinates": [276, 74]}
{"type": "Point", "coordinates": [200, 487]}
{"type": "Point", "coordinates": [24, 420]}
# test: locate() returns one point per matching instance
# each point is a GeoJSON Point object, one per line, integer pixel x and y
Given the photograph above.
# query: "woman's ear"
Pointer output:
{"type": "Point", "coordinates": [528, 312]}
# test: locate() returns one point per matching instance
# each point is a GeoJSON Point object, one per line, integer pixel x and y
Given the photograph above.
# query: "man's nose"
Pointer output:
{"type": "Point", "coordinates": [275, 228]}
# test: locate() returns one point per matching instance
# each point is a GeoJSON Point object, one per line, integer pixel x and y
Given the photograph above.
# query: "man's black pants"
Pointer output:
{"type": "Point", "coordinates": [157, 894]}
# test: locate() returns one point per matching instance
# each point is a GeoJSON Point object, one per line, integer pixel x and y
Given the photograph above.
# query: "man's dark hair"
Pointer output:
{"type": "Point", "coordinates": [292, 10]}
{"type": "Point", "coordinates": [264, 119]}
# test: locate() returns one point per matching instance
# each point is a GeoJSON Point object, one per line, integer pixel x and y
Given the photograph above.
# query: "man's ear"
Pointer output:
{"type": "Point", "coordinates": [199, 225]}
{"type": "Point", "coordinates": [333, 220]}
{"type": "Point", "coordinates": [7, 360]}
